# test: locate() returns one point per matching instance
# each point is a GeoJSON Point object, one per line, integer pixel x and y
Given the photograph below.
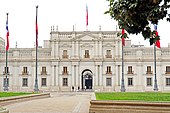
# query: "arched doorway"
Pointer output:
{"type": "Point", "coordinates": [87, 79]}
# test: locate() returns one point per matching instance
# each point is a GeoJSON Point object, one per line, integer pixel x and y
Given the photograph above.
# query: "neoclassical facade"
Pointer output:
{"type": "Point", "coordinates": [90, 60]}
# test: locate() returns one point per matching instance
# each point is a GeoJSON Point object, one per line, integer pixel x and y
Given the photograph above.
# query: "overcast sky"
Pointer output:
{"type": "Point", "coordinates": [65, 14]}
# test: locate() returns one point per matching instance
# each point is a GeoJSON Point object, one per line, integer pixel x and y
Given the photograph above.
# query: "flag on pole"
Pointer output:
{"type": "Point", "coordinates": [123, 39]}
{"type": "Point", "coordinates": [36, 26]}
{"type": "Point", "coordinates": [7, 34]}
{"type": "Point", "coordinates": [157, 43]}
{"type": "Point", "coordinates": [86, 15]}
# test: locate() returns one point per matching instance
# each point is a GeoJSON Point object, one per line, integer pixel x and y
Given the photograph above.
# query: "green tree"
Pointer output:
{"type": "Point", "coordinates": [134, 15]}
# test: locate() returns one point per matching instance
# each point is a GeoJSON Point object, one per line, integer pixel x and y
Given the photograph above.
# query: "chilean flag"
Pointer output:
{"type": "Point", "coordinates": [157, 43]}
{"type": "Point", "coordinates": [123, 39]}
{"type": "Point", "coordinates": [36, 26]}
{"type": "Point", "coordinates": [86, 15]}
{"type": "Point", "coordinates": [7, 34]}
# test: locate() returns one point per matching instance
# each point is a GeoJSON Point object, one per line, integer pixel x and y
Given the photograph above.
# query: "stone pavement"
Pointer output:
{"type": "Point", "coordinates": [59, 102]}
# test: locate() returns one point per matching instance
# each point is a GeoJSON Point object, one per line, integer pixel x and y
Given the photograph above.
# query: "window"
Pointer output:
{"type": "Point", "coordinates": [43, 81]}
{"type": "Point", "coordinates": [65, 72]}
{"type": "Point", "coordinates": [167, 69]}
{"type": "Point", "coordinates": [108, 82]}
{"type": "Point", "coordinates": [167, 81]}
{"type": "Point", "coordinates": [65, 54]}
{"type": "Point", "coordinates": [44, 72]}
{"type": "Point", "coordinates": [25, 71]}
{"type": "Point", "coordinates": [130, 70]}
{"type": "Point", "coordinates": [108, 71]}
{"type": "Point", "coordinates": [108, 54]}
{"type": "Point", "coordinates": [65, 81]}
{"type": "Point", "coordinates": [130, 81]}
{"type": "Point", "coordinates": [7, 82]}
{"type": "Point", "coordinates": [6, 71]}
{"type": "Point", "coordinates": [148, 81]}
{"type": "Point", "coordinates": [148, 70]}
{"type": "Point", "coordinates": [86, 54]}
{"type": "Point", "coordinates": [25, 82]}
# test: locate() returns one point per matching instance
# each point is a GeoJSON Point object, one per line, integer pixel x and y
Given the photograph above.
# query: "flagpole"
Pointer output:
{"type": "Point", "coordinates": [6, 74]}
{"type": "Point", "coordinates": [155, 80]}
{"type": "Point", "coordinates": [36, 78]}
{"type": "Point", "coordinates": [6, 70]}
{"type": "Point", "coordinates": [122, 83]}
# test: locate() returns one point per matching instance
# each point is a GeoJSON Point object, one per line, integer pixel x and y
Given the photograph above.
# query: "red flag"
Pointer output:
{"type": "Point", "coordinates": [123, 39]}
{"type": "Point", "coordinates": [86, 15]}
{"type": "Point", "coordinates": [157, 43]}
{"type": "Point", "coordinates": [36, 26]}
{"type": "Point", "coordinates": [7, 34]}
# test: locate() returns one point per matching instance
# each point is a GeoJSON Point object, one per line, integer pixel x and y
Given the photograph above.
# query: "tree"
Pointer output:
{"type": "Point", "coordinates": [134, 15]}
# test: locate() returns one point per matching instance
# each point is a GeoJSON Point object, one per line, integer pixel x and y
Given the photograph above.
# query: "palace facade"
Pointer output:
{"type": "Point", "coordinates": [79, 60]}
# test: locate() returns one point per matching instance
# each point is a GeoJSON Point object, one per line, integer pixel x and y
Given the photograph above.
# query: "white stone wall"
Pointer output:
{"type": "Point", "coordinates": [97, 42]}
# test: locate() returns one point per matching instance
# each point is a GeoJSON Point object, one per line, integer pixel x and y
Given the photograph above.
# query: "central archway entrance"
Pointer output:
{"type": "Point", "coordinates": [87, 79]}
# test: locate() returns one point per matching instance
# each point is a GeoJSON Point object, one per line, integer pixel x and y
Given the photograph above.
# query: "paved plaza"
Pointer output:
{"type": "Point", "coordinates": [63, 102]}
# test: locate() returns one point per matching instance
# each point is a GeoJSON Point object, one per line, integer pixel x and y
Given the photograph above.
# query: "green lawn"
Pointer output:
{"type": "Point", "coordinates": [9, 94]}
{"type": "Point", "coordinates": [140, 96]}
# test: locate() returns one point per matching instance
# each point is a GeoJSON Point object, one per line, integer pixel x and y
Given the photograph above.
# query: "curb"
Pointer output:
{"type": "Point", "coordinates": [10, 100]}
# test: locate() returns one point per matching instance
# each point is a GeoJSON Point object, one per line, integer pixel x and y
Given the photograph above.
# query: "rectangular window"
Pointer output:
{"type": "Point", "coordinates": [167, 81]}
{"type": "Point", "coordinates": [65, 72]}
{"type": "Point", "coordinates": [108, 54]}
{"type": "Point", "coordinates": [44, 72]}
{"type": "Point", "coordinates": [130, 70]}
{"type": "Point", "coordinates": [5, 81]}
{"type": "Point", "coordinates": [65, 81]}
{"type": "Point", "coordinates": [43, 81]}
{"type": "Point", "coordinates": [167, 69]}
{"type": "Point", "coordinates": [25, 70]}
{"type": "Point", "coordinates": [148, 81]}
{"type": "Point", "coordinates": [130, 81]}
{"type": "Point", "coordinates": [86, 54]}
{"type": "Point", "coordinates": [24, 82]}
{"type": "Point", "coordinates": [108, 71]}
{"type": "Point", "coordinates": [108, 81]}
{"type": "Point", "coordinates": [65, 54]}
{"type": "Point", "coordinates": [148, 70]}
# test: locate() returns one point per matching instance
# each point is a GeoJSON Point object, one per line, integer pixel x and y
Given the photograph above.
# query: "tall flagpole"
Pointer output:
{"type": "Point", "coordinates": [36, 78]}
{"type": "Point", "coordinates": [122, 83]}
{"type": "Point", "coordinates": [7, 47]}
{"type": "Point", "coordinates": [155, 80]}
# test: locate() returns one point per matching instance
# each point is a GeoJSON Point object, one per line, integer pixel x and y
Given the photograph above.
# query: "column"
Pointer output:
{"type": "Point", "coordinates": [77, 75]}
{"type": "Point", "coordinates": [96, 75]}
{"type": "Point", "coordinates": [100, 76]}
{"type": "Point", "coordinates": [116, 49]}
{"type": "Point", "coordinates": [100, 48]}
{"type": "Point", "coordinates": [57, 75]}
{"type": "Point", "coordinates": [52, 76]}
{"type": "Point", "coordinates": [73, 48]}
{"type": "Point", "coordinates": [76, 49]}
{"type": "Point", "coordinates": [57, 50]}
{"type": "Point", "coordinates": [72, 75]}
{"type": "Point", "coordinates": [96, 49]}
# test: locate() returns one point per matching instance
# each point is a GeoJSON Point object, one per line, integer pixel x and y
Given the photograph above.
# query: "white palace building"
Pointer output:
{"type": "Point", "coordinates": [78, 60]}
